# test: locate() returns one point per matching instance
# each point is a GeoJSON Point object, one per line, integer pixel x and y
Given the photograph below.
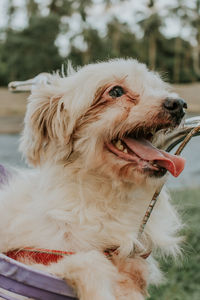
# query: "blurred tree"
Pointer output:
{"type": "Point", "coordinates": [3, 69]}
{"type": "Point", "coordinates": [24, 53]}
{"type": "Point", "coordinates": [151, 29]}
{"type": "Point", "coordinates": [32, 50]}
{"type": "Point", "coordinates": [182, 12]}
{"type": "Point", "coordinates": [196, 28]}
{"type": "Point", "coordinates": [95, 48]}
{"type": "Point", "coordinates": [32, 8]}
{"type": "Point", "coordinates": [165, 60]}
{"type": "Point", "coordinates": [11, 9]}
{"type": "Point", "coordinates": [81, 7]}
{"type": "Point", "coordinates": [61, 7]}
{"type": "Point", "coordinates": [118, 42]}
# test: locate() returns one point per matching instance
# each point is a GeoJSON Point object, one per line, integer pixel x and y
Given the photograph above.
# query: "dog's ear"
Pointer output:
{"type": "Point", "coordinates": [46, 132]}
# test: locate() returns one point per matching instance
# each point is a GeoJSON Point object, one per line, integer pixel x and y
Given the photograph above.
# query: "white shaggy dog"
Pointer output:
{"type": "Point", "coordinates": [88, 136]}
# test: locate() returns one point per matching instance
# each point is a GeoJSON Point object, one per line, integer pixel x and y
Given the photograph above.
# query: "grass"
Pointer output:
{"type": "Point", "coordinates": [183, 278]}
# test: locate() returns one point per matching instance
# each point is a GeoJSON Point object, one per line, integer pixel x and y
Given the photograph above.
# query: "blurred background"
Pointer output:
{"type": "Point", "coordinates": [42, 35]}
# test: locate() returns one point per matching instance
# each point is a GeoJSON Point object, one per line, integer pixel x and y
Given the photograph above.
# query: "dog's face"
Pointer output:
{"type": "Point", "coordinates": [103, 118]}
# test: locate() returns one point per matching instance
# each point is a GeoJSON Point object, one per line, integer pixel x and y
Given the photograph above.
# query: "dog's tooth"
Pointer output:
{"type": "Point", "coordinates": [153, 131]}
{"type": "Point", "coordinates": [119, 145]}
{"type": "Point", "coordinates": [125, 150]}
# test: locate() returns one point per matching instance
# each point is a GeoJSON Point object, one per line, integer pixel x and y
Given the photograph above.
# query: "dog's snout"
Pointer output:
{"type": "Point", "coordinates": [175, 106]}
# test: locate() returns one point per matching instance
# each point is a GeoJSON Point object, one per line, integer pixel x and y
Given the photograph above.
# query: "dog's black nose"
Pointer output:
{"type": "Point", "coordinates": [175, 106]}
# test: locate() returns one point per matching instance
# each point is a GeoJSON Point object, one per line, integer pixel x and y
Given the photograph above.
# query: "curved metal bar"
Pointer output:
{"type": "Point", "coordinates": [175, 137]}
{"type": "Point", "coordinates": [178, 141]}
{"type": "Point", "coordinates": [27, 85]}
{"type": "Point", "coordinates": [194, 129]}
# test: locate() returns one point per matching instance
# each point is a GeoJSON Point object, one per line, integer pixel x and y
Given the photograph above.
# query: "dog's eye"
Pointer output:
{"type": "Point", "coordinates": [116, 92]}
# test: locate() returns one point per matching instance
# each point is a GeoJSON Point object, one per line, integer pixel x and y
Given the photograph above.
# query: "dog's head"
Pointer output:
{"type": "Point", "coordinates": [103, 118]}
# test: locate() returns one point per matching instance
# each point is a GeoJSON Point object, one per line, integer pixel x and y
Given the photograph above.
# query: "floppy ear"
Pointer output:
{"type": "Point", "coordinates": [46, 132]}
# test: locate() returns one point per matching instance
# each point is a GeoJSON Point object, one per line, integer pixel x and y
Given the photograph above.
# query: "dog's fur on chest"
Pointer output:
{"type": "Point", "coordinates": [80, 196]}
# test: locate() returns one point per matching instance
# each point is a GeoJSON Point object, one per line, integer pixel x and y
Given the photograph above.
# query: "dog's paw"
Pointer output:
{"type": "Point", "coordinates": [133, 278]}
{"type": "Point", "coordinates": [91, 275]}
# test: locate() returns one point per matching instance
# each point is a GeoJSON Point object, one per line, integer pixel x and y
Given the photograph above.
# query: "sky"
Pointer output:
{"type": "Point", "coordinates": [124, 10]}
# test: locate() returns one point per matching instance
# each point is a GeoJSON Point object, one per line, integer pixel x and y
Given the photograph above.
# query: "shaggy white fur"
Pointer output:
{"type": "Point", "coordinates": [80, 196]}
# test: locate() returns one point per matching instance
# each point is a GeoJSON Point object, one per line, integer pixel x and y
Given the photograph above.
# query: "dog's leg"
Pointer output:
{"type": "Point", "coordinates": [132, 284]}
{"type": "Point", "coordinates": [91, 274]}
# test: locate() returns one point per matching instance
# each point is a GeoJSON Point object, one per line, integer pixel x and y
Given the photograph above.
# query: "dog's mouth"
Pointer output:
{"type": "Point", "coordinates": [146, 158]}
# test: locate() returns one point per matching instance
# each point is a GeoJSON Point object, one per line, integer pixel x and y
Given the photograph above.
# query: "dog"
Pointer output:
{"type": "Point", "coordinates": [91, 138]}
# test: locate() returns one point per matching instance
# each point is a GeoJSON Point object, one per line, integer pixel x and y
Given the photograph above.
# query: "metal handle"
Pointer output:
{"type": "Point", "coordinates": [175, 137]}
{"type": "Point", "coordinates": [27, 85]}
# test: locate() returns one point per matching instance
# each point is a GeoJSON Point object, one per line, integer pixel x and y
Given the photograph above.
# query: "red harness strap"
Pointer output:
{"type": "Point", "coordinates": [46, 256]}
{"type": "Point", "coordinates": [39, 256]}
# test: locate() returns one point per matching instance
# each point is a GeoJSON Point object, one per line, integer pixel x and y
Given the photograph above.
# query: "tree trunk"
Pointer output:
{"type": "Point", "coordinates": [177, 60]}
{"type": "Point", "coordinates": [196, 54]}
{"type": "Point", "coordinates": [152, 52]}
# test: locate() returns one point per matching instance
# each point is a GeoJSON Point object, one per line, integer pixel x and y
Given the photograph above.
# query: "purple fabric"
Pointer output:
{"type": "Point", "coordinates": [21, 279]}
{"type": "Point", "coordinates": [3, 175]}
{"type": "Point", "coordinates": [7, 297]}
{"type": "Point", "coordinates": [29, 291]}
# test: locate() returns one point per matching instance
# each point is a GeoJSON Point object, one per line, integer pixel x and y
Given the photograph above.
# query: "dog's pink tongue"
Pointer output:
{"type": "Point", "coordinates": [145, 150]}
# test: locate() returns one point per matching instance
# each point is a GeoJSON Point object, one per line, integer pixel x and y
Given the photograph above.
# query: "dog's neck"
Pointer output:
{"type": "Point", "coordinates": [92, 186]}
{"type": "Point", "coordinates": [105, 203]}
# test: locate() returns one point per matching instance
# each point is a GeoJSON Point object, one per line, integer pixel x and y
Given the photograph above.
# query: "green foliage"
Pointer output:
{"type": "Point", "coordinates": [27, 52]}
{"type": "Point", "coordinates": [183, 277]}
{"type": "Point", "coordinates": [118, 42]}
{"type": "Point", "coordinates": [96, 48]}
{"type": "Point", "coordinates": [30, 51]}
